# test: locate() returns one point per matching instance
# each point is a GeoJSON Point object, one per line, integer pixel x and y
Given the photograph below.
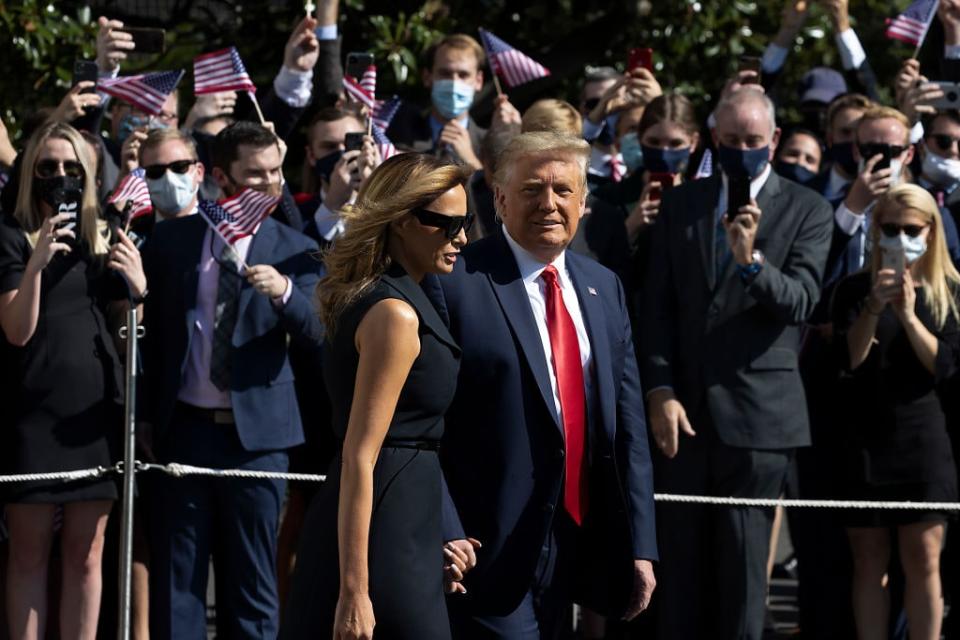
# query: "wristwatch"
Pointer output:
{"type": "Point", "coordinates": [139, 299]}
{"type": "Point", "coordinates": [748, 272]}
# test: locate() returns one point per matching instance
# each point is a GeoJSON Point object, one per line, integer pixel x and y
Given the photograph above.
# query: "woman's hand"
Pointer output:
{"type": "Point", "coordinates": [887, 287]}
{"type": "Point", "coordinates": [50, 242]}
{"type": "Point", "coordinates": [905, 301]}
{"type": "Point", "coordinates": [354, 618]}
{"type": "Point", "coordinates": [125, 259]}
{"type": "Point", "coordinates": [75, 102]}
{"type": "Point", "coordinates": [644, 213]}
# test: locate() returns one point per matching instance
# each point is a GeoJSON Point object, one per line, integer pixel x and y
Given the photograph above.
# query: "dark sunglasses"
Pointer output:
{"type": "Point", "coordinates": [894, 230]}
{"type": "Point", "coordinates": [155, 171]}
{"type": "Point", "coordinates": [48, 168]}
{"type": "Point", "coordinates": [888, 151]}
{"type": "Point", "coordinates": [943, 141]}
{"type": "Point", "coordinates": [451, 225]}
{"type": "Point", "coordinates": [591, 104]}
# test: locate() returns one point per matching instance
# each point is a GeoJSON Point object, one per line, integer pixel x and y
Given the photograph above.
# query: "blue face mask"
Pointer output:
{"type": "Point", "coordinates": [323, 167]}
{"type": "Point", "coordinates": [666, 160]}
{"type": "Point", "coordinates": [130, 122]}
{"type": "Point", "coordinates": [743, 163]}
{"type": "Point", "coordinates": [794, 171]}
{"type": "Point", "coordinates": [451, 97]}
{"type": "Point", "coordinates": [631, 151]}
{"type": "Point", "coordinates": [608, 132]}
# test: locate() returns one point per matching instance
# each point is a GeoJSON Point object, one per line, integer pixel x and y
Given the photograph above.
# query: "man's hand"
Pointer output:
{"type": "Point", "coordinates": [73, 104]}
{"type": "Point", "coordinates": [635, 89]}
{"type": "Point", "coordinates": [667, 419]}
{"type": "Point", "coordinates": [130, 151]}
{"type": "Point", "coordinates": [644, 582]}
{"type": "Point", "coordinates": [742, 80]}
{"type": "Point", "coordinates": [344, 180]}
{"type": "Point", "coordinates": [916, 101]}
{"type": "Point", "coordinates": [266, 280]}
{"type": "Point", "coordinates": [504, 114]}
{"type": "Point", "coordinates": [792, 17]}
{"type": "Point", "coordinates": [368, 161]}
{"type": "Point", "coordinates": [460, 558]}
{"type": "Point", "coordinates": [112, 44]}
{"type": "Point", "coordinates": [742, 231]}
{"type": "Point", "coordinates": [302, 49]}
{"type": "Point", "coordinates": [868, 186]}
{"type": "Point", "coordinates": [949, 14]}
{"type": "Point", "coordinates": [210, 105]}
{"type": "Point", "coordinates": [8, 154]}
{"type": "Point", "coordinates": [906, 78]}
{"type": "Point", "coordinates": [457, 136]}
{"type": "Point", "coordinates": [839, 13]}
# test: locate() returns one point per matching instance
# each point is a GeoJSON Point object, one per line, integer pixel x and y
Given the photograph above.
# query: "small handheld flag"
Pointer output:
{"type": "Point", "coordinates": [384, 145]}
{"type": "Point", "coordinates": [221, 70]}
{"type": "Point", "coordinates": [912, 25]}
{"type": "Point", "coordinates": [364, 89]}
{"type": "Point", "coordinates": [146, 91]}
{"type": "Point", "coordinates": [512, 65]}
{"type": "Point", "coordinates": [238, 216]}
{"type": "Point", "coordinates": [133, 188]}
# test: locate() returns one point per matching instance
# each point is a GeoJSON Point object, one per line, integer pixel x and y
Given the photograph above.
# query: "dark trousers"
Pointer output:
{"type": "Point", "coordinates": [712, 577]}
{"type": "Point", "coordinates": [542, 614]}
{"type": "Point", "coordinates": [234, 521]}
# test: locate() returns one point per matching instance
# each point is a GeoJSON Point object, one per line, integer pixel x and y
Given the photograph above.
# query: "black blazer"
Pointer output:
{"type": "Point", "coordinates": [724, 346]}
{"type": "Point", "coordinates": [262, 392]}
{"type": "Point", "coordinates": [503, 449]}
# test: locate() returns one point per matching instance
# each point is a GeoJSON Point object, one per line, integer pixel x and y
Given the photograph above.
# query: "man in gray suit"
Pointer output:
{"type": "Point", "coordinates": [724, 300]}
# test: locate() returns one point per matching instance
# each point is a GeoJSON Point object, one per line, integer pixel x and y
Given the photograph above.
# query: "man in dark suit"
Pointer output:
{"type": "Point", "coordinates": [724, 301]}
{"type": "Point", "coordinates": [545, 453]}
{"type": "Point", "coordinates": [218, 390]}
{"type": "Point", "coordinates": [453, 74]}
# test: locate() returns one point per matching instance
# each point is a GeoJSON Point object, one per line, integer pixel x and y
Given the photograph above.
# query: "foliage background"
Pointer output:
{"type": "Point", "coordinates": [696, 42]}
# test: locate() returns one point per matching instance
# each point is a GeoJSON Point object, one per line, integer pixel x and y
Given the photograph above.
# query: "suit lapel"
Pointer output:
{"type": "Point", "coordinates": [512, 294]}
{"type": "Point", "coordinates": [593, 315]}
{"type": "Point", "coordinates": [707, 225]}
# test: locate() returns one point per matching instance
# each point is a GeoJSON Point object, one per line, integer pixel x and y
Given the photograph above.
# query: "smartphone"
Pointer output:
{"type": "Point", "coordinates": [147, 40]}
{"type": "Point", "coordinates": [894, 259]}
{"type": "Point", "coordinates": [867, 151]}
{"type": "Point", "coordinates": [353, 142]}
{"type": "Point", "coordinates": [951, 96]}
{"type": "Point", "coordinates": [738, 195]}
{"type": "Point", "coordinates": [659, 182]}
{"type": "Point", "coordinates": [85, 71]}
{"type": "Point", "coordinates": [641, 57]}
{"type": "Point", "coordinates": [72, 209]}
{"type": "Point", "coordinates": [357, 63]}
{"type": "Point", "coordinates": [750, 63]}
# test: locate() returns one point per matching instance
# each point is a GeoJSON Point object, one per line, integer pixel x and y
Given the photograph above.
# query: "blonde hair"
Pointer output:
{"type": "Point", "coordinates": [552, 115]}
{"type": "Point", "coordinates": [157, 137]}
{"type": "Point", "coordinates": [938, 276]}
{"type": "Point", "coordinates": [28, 213]}
{"type": "Point", "coordinates": [882, 112]}
{"type": "Point", "coordinates": [359, 256]}
{"type": "Point", "coordinates": [542, 143]}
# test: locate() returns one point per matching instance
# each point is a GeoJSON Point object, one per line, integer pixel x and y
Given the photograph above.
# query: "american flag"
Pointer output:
{"type": "Point", "coordinates": [384, 145]}
{"type": "Point", "coordinates": [364, 90]}
{"type": "Point", "coordinates": [133, 188]}
{"type": "Point", "coordinates": [384, 111]}
{"type": "Point", "coordinates": [911, 26]}
{"type": "Point", "coordinates": [146, 91]}
{"type": "Point", "coordinates": [238, 216]}
{"type": "Point", "coordinates": [221, 70]}
{"type": "Point", "coordinates": [510, 64]}
{"type": "Point", "coordinates": [705, 169]}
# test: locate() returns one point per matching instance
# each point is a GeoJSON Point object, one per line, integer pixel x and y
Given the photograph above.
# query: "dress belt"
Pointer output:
{"type": "Point", "coordinates": [421, 445]}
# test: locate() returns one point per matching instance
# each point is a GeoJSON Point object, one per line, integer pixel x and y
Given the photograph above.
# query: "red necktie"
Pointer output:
{"type": "Point", "coordinates": [616, 168]}
{"type": "Point", "coordinates": [569, 373]}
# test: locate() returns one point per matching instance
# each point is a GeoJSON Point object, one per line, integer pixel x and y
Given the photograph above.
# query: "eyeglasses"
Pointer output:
{"type": "Point", "coordinates": [943, 141]}
{"type": "Point", "coordinates": [155, 171]}
{"type": "Point", "coordinates": [48, 168]}
{"type": "Point", "coordinates": [894, 230]}
{"type": "Point", "coordinates": [451, 225]}
{"type": "Point", "coordinates": [869, 150]}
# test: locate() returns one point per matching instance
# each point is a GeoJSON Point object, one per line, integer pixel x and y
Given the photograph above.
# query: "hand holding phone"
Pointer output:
{"type": "Point", "coordinates": [357, 63]}
{"type": "Point", "coordinates": [640, 57]}
{"type": "Point", "coordinates": [895, 260]}
{"type": "Point", "coordinates": [738, 195]}
{"type": "Point", "coordinates": [750, 63]}
{"type": "Point", "coordinates": [85, 71]}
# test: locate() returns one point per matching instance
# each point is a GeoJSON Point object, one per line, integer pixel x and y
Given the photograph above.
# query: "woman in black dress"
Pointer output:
{"type": "Point", "coordinates": [371, 550]}
{"type": "Point", "coordinates": [64, 381]}
{"type": "Point", "coordinates": [899, 326]}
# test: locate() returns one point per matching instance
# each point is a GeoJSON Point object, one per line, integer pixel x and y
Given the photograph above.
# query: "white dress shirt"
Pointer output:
{"type": "Point", "coordinates": [530, 270]}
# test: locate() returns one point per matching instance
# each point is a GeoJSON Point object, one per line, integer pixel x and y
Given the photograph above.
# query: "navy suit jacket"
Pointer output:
{"type": "Point", "coordinates": [262, 392]}
{"type": "Point", "coordinates": [503, 450]}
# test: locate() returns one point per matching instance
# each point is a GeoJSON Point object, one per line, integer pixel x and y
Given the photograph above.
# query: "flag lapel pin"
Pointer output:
{"type": "Point", "coordinates": [591, 291]}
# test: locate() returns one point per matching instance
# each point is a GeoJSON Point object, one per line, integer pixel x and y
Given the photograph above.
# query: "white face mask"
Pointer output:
{"type": "Point", "coordinates": [173, 192]}
{"type": "Point", "coordinates": [942, 172]}
{"type": "Point", "coordinates": [896, 168]}
{"type": "Point", "coordinates": [913, 248]}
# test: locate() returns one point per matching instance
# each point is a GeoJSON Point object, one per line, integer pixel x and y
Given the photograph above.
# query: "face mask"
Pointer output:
{"type": "Point", "coordinates": [608, 133]}
{"type": "Point", "coordinates": [451, 97]}
{"type": "Point", "coordinates": [794, 171]}
{"type": "Point", "coordinates": [173, 192]}
{"type": "Point", "coordinates": [842, 155]}
{"type": "Point", "coordinates": [59, 190]}
{"type": "Point", "coordinates": [666, 160]}
{"type": "Point", "coordinates": [743, 163]}
{"type": "Point", "coordinates": [130, 122]}
{"type": "Point", "coordinates": [631, 151]}
{"type": "Point", "coordinates": [896, 168]}
{"type": "Point", "coordinates": [913, 248]}
{"type": "Point", "coordinates": [942, 172]}
{"type": "Point", "coordinates": [323, 167]}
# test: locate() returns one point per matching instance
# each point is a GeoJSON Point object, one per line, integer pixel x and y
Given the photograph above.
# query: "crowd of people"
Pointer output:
{"type": "Point", "coordinates": [496, 344]}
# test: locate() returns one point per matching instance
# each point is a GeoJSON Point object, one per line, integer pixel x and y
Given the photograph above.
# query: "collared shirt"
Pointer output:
{"type": "Point", "coordinates": [600, 163]}
{"type": "Point", "coordinates": [329, 222]}
{"type": "Point", "coordinates": [196, 388]}
{"type": "Point", "coordinates": [294, 87]}
{"type": "Point", "coordinates": [851, 222]}
{"type": "Point", "coordinates": [530, 270]}
{"type": "Point", "coordinates": [436, 127]}
{"type": "Point", "coordinates": [755, 186]}
{"type": "Point", "coordinates": [851, 51]}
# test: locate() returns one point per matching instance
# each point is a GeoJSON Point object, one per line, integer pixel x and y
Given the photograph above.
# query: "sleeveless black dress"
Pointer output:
{"type": "Point", "coordinates": [62, 391]}
{"type": "Point", "coordinates": [406, 543]}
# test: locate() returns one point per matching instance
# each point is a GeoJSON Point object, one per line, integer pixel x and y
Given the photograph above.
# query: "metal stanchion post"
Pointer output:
{"type": "Point", "coordinates": [129, 444]}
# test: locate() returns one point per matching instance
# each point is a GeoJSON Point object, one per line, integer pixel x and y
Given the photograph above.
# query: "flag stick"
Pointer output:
{"type": "Point", "coordinates": [309, 7]}
{"type": "Point", "coordinates": [496, 82]}
{"type": "Point", "coordinates": [256, 105]}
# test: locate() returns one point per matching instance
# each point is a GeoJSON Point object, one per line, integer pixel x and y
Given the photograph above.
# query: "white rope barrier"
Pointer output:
{"type": "Point", "coordinates": [179, 470]}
